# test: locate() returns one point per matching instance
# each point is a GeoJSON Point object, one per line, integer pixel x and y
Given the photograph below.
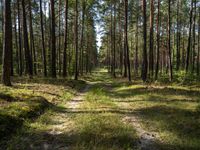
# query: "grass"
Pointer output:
{"type": "Point", "coordinates": [171, 110]}
{"type": "Point", "coordinates": [26, 100]}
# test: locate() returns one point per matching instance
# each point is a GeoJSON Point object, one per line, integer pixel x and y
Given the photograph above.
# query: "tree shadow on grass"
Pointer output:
{"type": "Point", "coordinates": [162, 93]}
{"type": "Point", "coordinates": [76, 85]}
{"type": "Point", "coordinates": [185, 124]}
{"type": "Point", "coordinates": [96, 132]}
{"type": "Point", "coordinates": [37, 140]}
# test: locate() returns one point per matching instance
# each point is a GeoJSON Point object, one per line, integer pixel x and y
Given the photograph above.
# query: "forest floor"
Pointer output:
{"type": "Point", "coordinates": [99, 113]}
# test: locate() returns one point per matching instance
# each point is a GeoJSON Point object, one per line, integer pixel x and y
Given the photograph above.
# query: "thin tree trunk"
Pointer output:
{"type": "Point", "coordinates": [43, 41]}
{"type": "Point", "coordinates": [178, 37]}
{"type": "Point", "coordinates": [198, 53]}
{"type": "Point", "coordinates": [28, 59]}
{"type": "Point", "coordinates": [114, 42]}
{"type": "Point", "coordinates": [82, 37]}
{"type": "Point", "coordinates": [53, 41]}
{"type": "Point", "coordinates": [169, 41]}
{"type": "Point", "coordinates": [145, 62]}
{"type": "Point", "coordinates": [194, 37]}
{"type": "Point", "coordinates": [20, 40]}
{"type": "Point", "coordinates": [158, 41]}
{"type": "Point", "coordinates": [126, 38]}
{"type": "Point", "coordinates": [16, 40]}
{"type": "Point", "coordinates": [151, 40]}
{"type": "Point", "coordinates": [76, 39]}
{"type": "Point", "coordinates": [136, 40]}
{"type": "Point", "coordinates": [59, 38]}
{"type": "Point", "coordinates": [65, 40]}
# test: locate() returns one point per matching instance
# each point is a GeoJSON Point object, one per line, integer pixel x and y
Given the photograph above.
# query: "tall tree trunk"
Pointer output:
{"type": "Point", "coordinates": [178, 37]}
{"type": "Point", "coordinates": [43, 41]}
{"type": "Point", "coordinates": [65, 40]}
{"type": "Point", "coordinates": [28, 59]}
{"type": "Point", "coordinates": [189, 39]}
{"type": "Point", "coordinates": [76, 40]}
{"type": "Point", "coordinates": [194, 37]}
{"type": "Point", "coordinates": [82, 37]}
{"type": "Point", "coordinates": [151, 40]}
{"type": "Point", "coordinates": [126, 38]}
{"type": "Point", "coordinates": [20, 40]}
{"type": "Point", "coordinates": [32, 40]}
{"type": "Point", "coordinates": [114, 42]}
{"type": "Point", "coordinates": [111, 39]}
{"type": "Point", "coordinates": [136, 39]}
{"type": "Point", "coordinates": [7, 44]}
{"type": "Point", "coordinates": [16, 39]}
{"type": "Point", "coordinates": [145, 62]}
{"type": "Point", "coordinates": [169, 41]}
{"type": "Point", "coordinates": [158, 41]}
{"type": "Point", "coordinates": [59, 38]}
{"type": "Point", "coordinates": [53, 41]}
{"type": "Point", "coordinates": [198, 53]}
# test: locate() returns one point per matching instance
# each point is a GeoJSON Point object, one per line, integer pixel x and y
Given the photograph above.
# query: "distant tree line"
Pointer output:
{"type": "Point", "coordinates": [160, 37]}
{"type": "Point", "coordinates": [47, 37]}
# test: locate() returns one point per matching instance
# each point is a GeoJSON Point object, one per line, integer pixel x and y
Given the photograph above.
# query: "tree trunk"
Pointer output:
{"type": "Point", "coordinates": [169, 41]}
{"type": "Point", "coordinates": [28, 59]}
{"type": "Point", "coordinates": [65, 40]}
{"type": "Point", "coordinates": [198, 53]}
{"type": "Point", "coordinates": [189, 39]}
{"type": "Point", "coordinates": [16, 40]}
{"type": "Point", "coordinates": [158, 41]}
{"type": "Point", "coordinates": [178, 37]}
{"type": "Point", "coordinates": [145, 62]}
{"type": "Point", "coordinates": [136, 40]}
{"type": "Point", "coordinates": [194, 37]}
{"type": "Point", "coordinates": [82, 37]}
{"type": "Point", "coordinates": [43, 41]}
{"type": "Point", "coordinates": [76, 39]}
{"type": "Point", "coordinates": [7, 44]}
{"type": "Point", "coordinates": [59, 38]}
{"type": "Point", "coordinates": [151, 40]}
{"type": "Point", "coordinates": [126, 38]}
{"type": "Point", "coordinates": [32, 40]}
{"type": "Point", "coordinates": [114, 42]}
{"type": "Point", "coordinates": [53, 41]}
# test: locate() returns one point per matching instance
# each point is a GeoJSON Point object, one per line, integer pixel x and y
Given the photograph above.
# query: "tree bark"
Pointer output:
{"type": "Point", "coordinates": [158, 41]}
{"type": "Point", "coordinates": [151, 40]}
{"type": "Point", "coordinates": [32, 40]}
{"type": "Point", "coordinates": [43, 41]}
{"type": "Point", "coordinates": [189, 39]}
{"type": "Point", "coordinates": [145, 62]}
{"type": "Point", "coordinates": [20, 40]}
{"type": "Point", "coordinates": [126, 38]}
{"type": "Point", "coordinates": [169, 41]}
{"type": "Point", "coordinates": [65, 40]}
{"type": "Point", "coordinates": [7, 44]}
{"type": "Point", "coordinates": [28, 59]}
{"type": "Point", "coordinates": [53, 41]}
{"type": "Point", "coordinates": [194, 37]}
{"type": "Point", "coordinates": [76, 40]}
{"type": "Point", "coordinates": [178, 37]}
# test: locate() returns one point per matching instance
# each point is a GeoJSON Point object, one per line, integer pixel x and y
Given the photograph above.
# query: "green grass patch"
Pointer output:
{"type": "Point", "coordinates": [103, 131]}
{"type": "Point", "coordinates": [14, 112]}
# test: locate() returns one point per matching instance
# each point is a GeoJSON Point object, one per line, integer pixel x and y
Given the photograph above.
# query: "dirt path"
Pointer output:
{"type": "Point", "coordinates": [62, 125]}
{"type": "Point", "coordinates": [147, 139]}
{"type": "Point", "coordinates": [78, 99]}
